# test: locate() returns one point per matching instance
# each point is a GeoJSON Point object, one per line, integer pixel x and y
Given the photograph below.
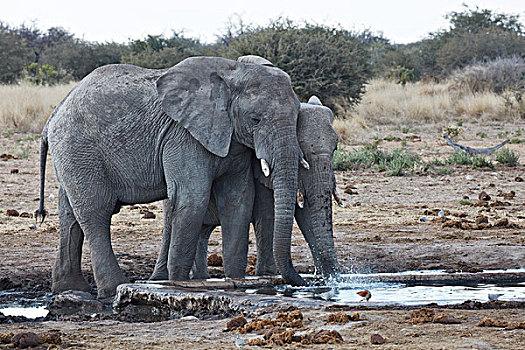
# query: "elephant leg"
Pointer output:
{"type": "Point", "coordinates": [234, 197]}
{"type": "Point", "coordinates": [161, 266]}
{"type": "Point", "coordinates": [93, 209]}
{"type": "Point", "coordinates": [199, 271]}
{"type": "Point", "coordinates": [66, 274]}
{"type": "Point", "coordinates": [187, 217]}
{"type": "Point", "coordinates": [262, 219]}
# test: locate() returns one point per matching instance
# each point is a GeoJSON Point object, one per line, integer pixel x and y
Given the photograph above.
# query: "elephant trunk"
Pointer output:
{"type": "Point", "coordinates": [315, 220]}
{"type": "Point", "coordinates": [285, 190]}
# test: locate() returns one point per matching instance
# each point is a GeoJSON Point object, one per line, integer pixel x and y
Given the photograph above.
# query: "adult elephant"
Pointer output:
{"type": "Point", "coordinates": [313, 211]}
{"type": "Point", "coordinates": [128, 135]}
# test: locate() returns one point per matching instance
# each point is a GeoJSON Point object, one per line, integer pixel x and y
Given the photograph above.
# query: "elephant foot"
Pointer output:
{"type": "Point", "coordinates": [107, 290]}
{"type": "Point", "coordinates": [159, 275]}
{"type": "Point", "coordinates": [266, 270]}
{"type": "Point", "coordinates": [71, 283]}
{"type": "Point", "coordinates": [200, 275]}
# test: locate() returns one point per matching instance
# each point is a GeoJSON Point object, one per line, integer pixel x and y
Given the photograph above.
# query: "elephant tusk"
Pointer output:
{"type": "Point", "coordinates": [338, 199]}
{"type": "Point", "coordinates": [305, 164]}
{"type": "Point", "coordinates": [265, 167]}
{"type": "Point", "coordinates": [300, 199]}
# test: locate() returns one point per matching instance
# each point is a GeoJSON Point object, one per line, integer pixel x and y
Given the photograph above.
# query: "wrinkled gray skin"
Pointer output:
{"type": "Point", "coordinates": [129, 135]}
{"type": "Point", "coordinates": [318, 140]}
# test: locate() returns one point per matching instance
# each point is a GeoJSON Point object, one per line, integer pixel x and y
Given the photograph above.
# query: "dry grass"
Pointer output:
{"type": "Point", "coordinates": [25, 107]}
{"type": "Point", "coordinates": [387, 103]}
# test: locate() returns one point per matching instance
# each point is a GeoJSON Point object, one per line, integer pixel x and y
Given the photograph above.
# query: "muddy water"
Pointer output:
{"type": "Point", "coordinates": [446, 292]}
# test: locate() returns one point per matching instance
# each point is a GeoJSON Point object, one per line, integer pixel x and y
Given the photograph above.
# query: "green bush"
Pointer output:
{"type": "Point", "coordinates": [507, 157]}
{"type": "Point", "coordinates": [459, 158]}
{"type": "Point", "coordinates": [480, 162]}
{"type": "Point", "coordinates": [44, 74]}
{"type": "Point", "coordinates": [331, 63]}
{"type": "Point", "coordinates": [397, 163]}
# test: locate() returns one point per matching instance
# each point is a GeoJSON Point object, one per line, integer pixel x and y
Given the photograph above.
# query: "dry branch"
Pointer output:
{"type": "Point", "coordinates": [470, 150]}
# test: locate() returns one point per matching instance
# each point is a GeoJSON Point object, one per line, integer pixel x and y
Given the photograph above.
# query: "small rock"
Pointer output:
{"type": "Point", "coordinates": [234, 323]}
{"type": "Point", "coordinates": [518, 179]}
{"type": "Point", "coordinates": [482, 220]}
{"type": "Point", "coordinates": [14, 171]}
{"type": "Point", "coordinates": [446, 319]}
{"type": "Point", "coordinates": [483, 196]}
{"type": "Point", "coordinates": [26, 215]}
{"type": "Point", "coordinates": [148, 215]}
{"type": "Point", "coordinates": [25, 340]}
{"type": "Point", "coordinates": [32, 227]}
{"type": "Point", "coordinates": [481, 203]}
{"type": "Point", "coordinates": [377, 339]}
{"type": "Point", "coordinates": [12, 212]}
{"type": "Point", "coordinates": [73, 301]}
{"type": "Point", "coordinates": [491, 185]}
{"type": "Point", "coordinates": [502, 223]}
{"type": "Point", "coordinates": [469, 177]}
{"type": "Point", "coordinates": [423, 219]}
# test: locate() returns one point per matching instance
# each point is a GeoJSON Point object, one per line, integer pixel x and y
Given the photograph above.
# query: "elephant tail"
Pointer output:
{"type": "Point", "coordinates": [41, 212]}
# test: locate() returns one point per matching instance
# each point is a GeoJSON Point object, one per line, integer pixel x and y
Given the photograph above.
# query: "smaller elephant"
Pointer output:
{"type": "Point", "coordinates": [313, 211]}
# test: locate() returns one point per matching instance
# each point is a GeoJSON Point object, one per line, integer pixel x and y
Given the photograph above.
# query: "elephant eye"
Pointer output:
{"type": "Point", "coordinates": [256, 118]}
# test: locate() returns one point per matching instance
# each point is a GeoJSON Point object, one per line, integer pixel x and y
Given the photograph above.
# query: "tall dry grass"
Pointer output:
{"type": "Point", "coordinates": [388, 104]}
{"type": "Point", "coordinates": [26, 107]}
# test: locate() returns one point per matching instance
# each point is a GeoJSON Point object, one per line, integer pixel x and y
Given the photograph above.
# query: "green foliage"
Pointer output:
{"type": "Point", "coordinates": [507, 157]}
{"type": "Point", "coordinates": [396, 163]}
{"type": "Point", "coordinates": [459, 123]}
{"type": "Point", "coordinates": [480, 162]}
{"type": "Point", "coordinates": [44, 74]}
{"type": "Point", "coordinates": [331, 63]}
{"type": "Point", "coordinates": [459, 158]}
{"type": "Point", "coordinates": [156, 51]}
{"type": "Point", "coordinates": [465, 202]}
{"type": "Point", "coordinates": [477, 161]}
{"type": "Point", "coordinates": [404, 75]}
{"type": "Point", "coordinates": [14, 55]}
{"type": "Point", "coordinates": [481, 134]}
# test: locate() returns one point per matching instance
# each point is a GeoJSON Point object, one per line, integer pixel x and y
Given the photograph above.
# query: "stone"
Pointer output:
{"type": "Point", "coordinates": [74, 301]}
{"type": "Point", "coordinates": [377, 339]}
{"type": "Point", "coordinates": [25, 340]}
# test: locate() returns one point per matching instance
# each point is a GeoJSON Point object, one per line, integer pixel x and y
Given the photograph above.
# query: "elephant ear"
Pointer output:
{"type": "Point", "coordinates": [195, 93]}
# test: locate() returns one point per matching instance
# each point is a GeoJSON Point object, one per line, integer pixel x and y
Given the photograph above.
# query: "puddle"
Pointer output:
{"type": "Point", "coordinates": [27, 312]}
{"type": "Point", "coordinates": [445, 292]}
{"type": "Point", "coordinates": [30, 305]}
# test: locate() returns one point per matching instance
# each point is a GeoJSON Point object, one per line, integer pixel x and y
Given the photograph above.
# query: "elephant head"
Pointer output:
{"type": "Point", "coordinates": [217, 99]}
{"type": "Point", "coordinates": [318, 141]}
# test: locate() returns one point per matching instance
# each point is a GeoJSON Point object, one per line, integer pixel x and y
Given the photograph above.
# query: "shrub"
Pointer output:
{"type": "Point", "coordinates": [507, 157]}
{"type": "Point", "coordinates": [396, 163]}
{"type": "Point", "coordinates": [479, 161]}
{"type": "Point", "coordinates": [459, 158]}
{"type": "Point", "coordinates": [496, 76]}
{"type": "Point", "coordinates": [331, 63]}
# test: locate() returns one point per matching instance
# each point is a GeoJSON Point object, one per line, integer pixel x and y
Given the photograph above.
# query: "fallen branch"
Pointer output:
{"type": "Point", "coordinates": [470, 150]}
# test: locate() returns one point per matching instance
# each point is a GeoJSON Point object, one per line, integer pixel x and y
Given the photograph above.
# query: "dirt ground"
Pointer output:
{"type": "Point", "coordinates": [388, 224]}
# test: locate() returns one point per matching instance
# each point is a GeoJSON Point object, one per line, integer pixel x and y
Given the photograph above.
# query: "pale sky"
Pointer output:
{"type": "Point", "coordinates": [401, 21]}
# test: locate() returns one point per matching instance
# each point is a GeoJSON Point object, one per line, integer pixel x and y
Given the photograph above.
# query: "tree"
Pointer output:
{"type": "Point", "coordinates": [331, 63]}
